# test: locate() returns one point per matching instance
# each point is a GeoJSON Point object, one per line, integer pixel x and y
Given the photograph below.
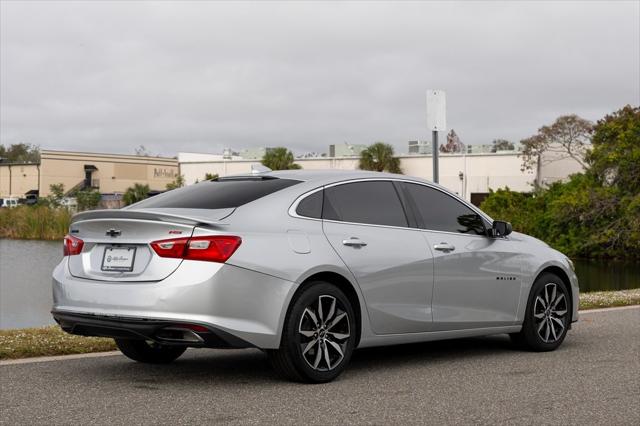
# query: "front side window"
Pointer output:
{"type": "Point", "coordinates": [438, 211]}
{"type": "Point", "coordinates": [375, 203]}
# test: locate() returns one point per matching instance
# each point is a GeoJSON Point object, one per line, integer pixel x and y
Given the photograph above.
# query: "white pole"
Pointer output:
{"type": "Point", "coordinates": [464, 186]}
{"type": "Point", "coordinates": [436, 121]}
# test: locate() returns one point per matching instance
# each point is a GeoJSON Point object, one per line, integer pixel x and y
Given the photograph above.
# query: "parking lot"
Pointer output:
{"type": "Point", "coordinates": [594, 378]}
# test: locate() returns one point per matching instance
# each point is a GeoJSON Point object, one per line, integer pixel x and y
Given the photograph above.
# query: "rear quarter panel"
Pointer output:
{"type": "Point", "coordinates": [286, 247]}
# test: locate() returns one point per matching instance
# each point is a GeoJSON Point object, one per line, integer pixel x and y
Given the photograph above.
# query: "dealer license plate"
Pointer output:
{"type": "Point", "coordinates": [118, 259]}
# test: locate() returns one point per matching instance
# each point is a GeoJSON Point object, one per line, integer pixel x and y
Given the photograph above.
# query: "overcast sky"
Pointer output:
{"type": "Point", "coordinates": [199, 76]}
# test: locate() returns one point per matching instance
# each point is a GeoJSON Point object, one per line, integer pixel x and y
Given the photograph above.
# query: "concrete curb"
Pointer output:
{"type": "Point", "coordinates": [58, 358]}
{"type": "Point", "coordinates": [617, 308]}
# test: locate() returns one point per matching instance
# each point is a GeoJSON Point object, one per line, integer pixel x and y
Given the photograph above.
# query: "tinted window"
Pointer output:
{"type": "Point", "coordinates": [221, 194]}
{"type": "Point", "coordinates": [311, 206]}
{"type": "Point", "coordinates": [364, 202]}
{"type": "Point", "coordinates": [441, 212]}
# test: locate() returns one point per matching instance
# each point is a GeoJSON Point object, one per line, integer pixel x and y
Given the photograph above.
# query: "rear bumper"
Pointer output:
{"type": "Point", "coordinates": [230, 301]}
{"type": "Point", "coordinates": [160, 331]}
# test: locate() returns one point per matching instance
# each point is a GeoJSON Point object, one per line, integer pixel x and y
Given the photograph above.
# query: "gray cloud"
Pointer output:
{"type": "Point", "coordinates": [198, 76]}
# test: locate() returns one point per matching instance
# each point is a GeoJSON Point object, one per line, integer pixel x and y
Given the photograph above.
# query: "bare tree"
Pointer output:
{"type": "Point", "coordinates": [454, 144]}
{"type": "Point", "coordinates": [142, 151]}
{"type": "Point", "coordinates": [568, 137]}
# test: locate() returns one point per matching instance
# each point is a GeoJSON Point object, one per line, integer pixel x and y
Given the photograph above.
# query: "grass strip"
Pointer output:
{"type": "Point", "coordinates": [609, 299]}
{"type": "Point", "coordinates": [48, 341]}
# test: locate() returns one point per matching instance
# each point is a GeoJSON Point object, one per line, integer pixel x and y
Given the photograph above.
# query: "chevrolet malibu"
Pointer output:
{"type": "Point", "coordinates": [307, 266]}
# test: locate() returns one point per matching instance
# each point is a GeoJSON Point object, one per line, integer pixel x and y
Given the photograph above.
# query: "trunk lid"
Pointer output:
{"type": "Point", "coordinates": [116, 242]}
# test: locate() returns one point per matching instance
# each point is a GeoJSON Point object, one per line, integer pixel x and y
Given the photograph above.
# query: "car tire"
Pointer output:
{"type": "Point", "coordinates": [547, 317]}
{"type": "Point", "coordinates": [149, 353]}
{"type": "Point", "coordinates": [318, 337]}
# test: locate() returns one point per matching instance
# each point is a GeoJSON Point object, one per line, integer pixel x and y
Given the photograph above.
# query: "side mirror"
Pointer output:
{"type": "Point", "coordinates": [501, 228]}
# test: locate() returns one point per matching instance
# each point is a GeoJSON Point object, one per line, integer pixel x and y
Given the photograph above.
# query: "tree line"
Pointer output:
{"type": "Point", "coordinates": [595, 213]}
{"type": "Point", "coordinates": [592, 214]}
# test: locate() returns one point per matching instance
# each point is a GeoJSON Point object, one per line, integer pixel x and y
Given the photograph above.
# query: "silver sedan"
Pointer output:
{"type": "Point", "coordinates": [308, 266]}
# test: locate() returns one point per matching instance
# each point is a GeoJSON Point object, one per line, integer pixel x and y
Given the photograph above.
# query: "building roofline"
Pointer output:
{"type": "Point", "coordinates": [19, 164]}
{"type": "Point", "coordinates": [356, 157]}
{"type": "Point", "coordinates": [50, 152]}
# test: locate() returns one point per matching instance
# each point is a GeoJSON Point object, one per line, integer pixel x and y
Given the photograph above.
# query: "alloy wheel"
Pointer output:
{"type": "Point", "coordinates": [324, 331]}
{"type": "Point", "coordinates": [549, 313]}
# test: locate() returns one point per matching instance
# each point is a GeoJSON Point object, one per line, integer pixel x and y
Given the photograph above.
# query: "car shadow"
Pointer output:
{"type": "Point", "coordinates": [250, 366]}
{"type": "Point", "coordinates": [398, 355]}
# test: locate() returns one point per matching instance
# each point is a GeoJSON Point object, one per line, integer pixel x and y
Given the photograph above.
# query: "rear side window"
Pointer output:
{"type": "Point", "coordinates": [220, 194]}
{"type": "Point", "coordinates": [311, 206]}
{"type": "Point", "coordinates": [375, 203]}
{"type": "Point", "coordinates": [438, 211]}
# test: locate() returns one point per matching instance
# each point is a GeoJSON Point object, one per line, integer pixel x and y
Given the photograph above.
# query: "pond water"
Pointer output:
{"type": "Point", "coordinates": [595, 275]}
{"type": "Point", "coordinates": [25, 280]}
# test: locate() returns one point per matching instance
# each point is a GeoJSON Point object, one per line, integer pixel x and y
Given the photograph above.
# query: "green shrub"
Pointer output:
{"type": "Point", "coordinates": [135, 193]}
{"type": "Point", "coordinates": [279, 158]}
{"type": "Point", "coordinates": [88, 199]}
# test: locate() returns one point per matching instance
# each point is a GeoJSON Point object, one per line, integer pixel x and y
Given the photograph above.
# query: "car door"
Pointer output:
{"type": "Point", "coordinates": [477, 279]}
{"type": "Point", "coordinates": [366, 224]}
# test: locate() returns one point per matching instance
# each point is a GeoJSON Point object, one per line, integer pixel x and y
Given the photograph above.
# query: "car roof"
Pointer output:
{"type": "Point", "coordinates": [312, 179]}
{"type": "Point", "coordinates": [325, 176]}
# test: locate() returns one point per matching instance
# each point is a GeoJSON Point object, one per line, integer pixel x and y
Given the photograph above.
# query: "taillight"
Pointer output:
{"type": "Point", "coordinates": [170, 248]}
{"type": "Point", "coordinates": [72, 245]}
{"type": "Point", "coordinates": [216, 248]}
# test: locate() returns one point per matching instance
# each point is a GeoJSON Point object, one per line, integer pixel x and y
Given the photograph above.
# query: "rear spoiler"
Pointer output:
{"type": "Point", "coordinates": [182, 216]}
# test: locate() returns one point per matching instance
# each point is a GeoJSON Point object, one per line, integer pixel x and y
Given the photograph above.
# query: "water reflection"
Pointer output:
{"type": "Point", "coordinates": [595, 275]}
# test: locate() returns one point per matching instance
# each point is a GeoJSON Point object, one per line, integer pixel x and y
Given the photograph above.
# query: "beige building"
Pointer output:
{"type": "Point", "coordinates": [469, 175]}
{"type": "Point", "coordinates": [108, 173]}
{"type": "Point", "coordinates": [555, 167]}
{"type": "Point", "coordinates": [17, 179]}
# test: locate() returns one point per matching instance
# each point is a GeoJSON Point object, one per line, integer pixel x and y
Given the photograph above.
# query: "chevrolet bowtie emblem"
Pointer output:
{"type": "Point", "coordinates": [113, 233]}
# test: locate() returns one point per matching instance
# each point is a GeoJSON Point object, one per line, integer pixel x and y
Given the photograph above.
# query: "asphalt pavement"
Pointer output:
{"type": "Point", "coordinates": [594, 378]}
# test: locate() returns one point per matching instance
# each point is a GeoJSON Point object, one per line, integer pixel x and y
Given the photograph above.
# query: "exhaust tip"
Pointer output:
{"type": "Point", "coordinates": [179, 334]}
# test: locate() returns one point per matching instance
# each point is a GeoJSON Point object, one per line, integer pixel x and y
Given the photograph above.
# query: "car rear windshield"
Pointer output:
{"type": "Point", "coordinates": [217, 194]}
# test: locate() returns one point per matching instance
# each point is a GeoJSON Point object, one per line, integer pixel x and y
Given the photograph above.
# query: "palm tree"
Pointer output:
{"type": "Point", "coordinates": [135, 193]}
{"type": "Point", "coordinates": [379, 157]}
{"type": "Point", "coordinates": [279, 159]}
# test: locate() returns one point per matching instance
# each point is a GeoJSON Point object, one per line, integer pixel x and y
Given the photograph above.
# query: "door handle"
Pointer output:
{"type": "Point", "coordinates": [354, 242]}
{"type": "Point", "coordinates": [445, 247]}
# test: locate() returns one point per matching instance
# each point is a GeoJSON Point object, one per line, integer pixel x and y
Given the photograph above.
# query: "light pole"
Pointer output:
{"type": "Point", "coordinates": [466, 175]}
{"type": "Point", "coordinates": [435, 150]}
{"type": "Point", "coordinates": [436, 121]}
